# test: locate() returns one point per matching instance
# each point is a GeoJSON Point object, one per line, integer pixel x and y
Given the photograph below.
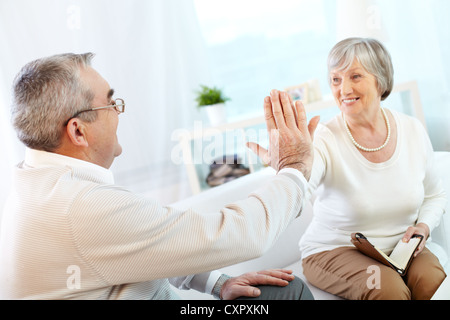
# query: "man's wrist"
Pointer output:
{"type": "Point", "coordinates": [218, 286]}
{"type": "Point", "coordinates": [297, 175]}
{"type": "Point", "coordinates": [301, 168]}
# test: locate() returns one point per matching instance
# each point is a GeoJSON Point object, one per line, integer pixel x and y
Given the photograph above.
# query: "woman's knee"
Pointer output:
{"type": "Point", "coordinates": [375, 282]}
{"type": "Point", "coordinates": [425, 276]}
{"type": "Point", "coordinates": [385, 284]}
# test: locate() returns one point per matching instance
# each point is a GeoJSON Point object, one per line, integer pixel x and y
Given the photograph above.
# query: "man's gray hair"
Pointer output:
{"type": "Point", "coordinates": [46, 93]}
{"type": "Point", "coordinates": [371, 54]}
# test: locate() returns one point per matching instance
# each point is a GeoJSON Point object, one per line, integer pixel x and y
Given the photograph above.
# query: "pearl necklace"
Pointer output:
{"type": "Point", "coordinates": [367, 149]}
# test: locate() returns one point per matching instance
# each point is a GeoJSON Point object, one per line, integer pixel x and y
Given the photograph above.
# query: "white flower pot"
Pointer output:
{"type": "Point", "coordinates": [216, 114]}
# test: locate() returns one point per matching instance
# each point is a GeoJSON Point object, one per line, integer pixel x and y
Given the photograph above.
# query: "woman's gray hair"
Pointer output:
{"type": "Point", "coordinates": [46, 93]}
{"type": "Point", "coordinates": [371, 54]}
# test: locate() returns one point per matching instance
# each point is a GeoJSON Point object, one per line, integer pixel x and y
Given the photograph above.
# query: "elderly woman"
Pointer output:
{"type": "Point", "coordinates": [373, 173]}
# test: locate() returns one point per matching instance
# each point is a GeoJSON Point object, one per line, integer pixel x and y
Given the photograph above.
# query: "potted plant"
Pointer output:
{"type": "Point", "coordinates": [213, 101]}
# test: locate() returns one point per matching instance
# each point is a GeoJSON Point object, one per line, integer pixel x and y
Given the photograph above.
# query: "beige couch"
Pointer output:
{"type": "Point", "coordinates": [285, 253]}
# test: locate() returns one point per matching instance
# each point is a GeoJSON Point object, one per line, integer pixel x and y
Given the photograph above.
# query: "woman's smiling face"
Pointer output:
{"type": "Point", "coordinates": [354, 89]}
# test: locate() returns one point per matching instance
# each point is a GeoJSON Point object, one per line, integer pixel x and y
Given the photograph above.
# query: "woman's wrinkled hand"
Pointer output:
{"type": "Point", "coordinates": [420, 229]}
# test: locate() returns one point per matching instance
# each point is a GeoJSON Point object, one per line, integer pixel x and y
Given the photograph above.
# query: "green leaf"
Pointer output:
{"type": "Point", "coordinates": [207, 96]}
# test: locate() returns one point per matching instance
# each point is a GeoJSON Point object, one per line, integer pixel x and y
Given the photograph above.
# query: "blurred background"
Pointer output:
{"type": "Point", "coordinates": [156, 54]}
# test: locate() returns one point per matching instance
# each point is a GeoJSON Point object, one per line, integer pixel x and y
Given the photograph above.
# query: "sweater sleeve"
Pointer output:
{"type": "Point", "coordinates": [128, 238]}
{"type": "Point", "coordinates": [321, 159]}
{"type": "Point", "coordinates": [203, 282]}
{"type": "Point", "coordinates": [435, 200]}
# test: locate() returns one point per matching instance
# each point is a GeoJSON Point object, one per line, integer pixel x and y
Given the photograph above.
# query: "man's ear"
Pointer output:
{"type": "Point", "coordinates": [76, 131]}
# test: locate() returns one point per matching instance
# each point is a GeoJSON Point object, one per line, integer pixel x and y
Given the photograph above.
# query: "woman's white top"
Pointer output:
{"type": "Point", "coordinates": [380, 200]}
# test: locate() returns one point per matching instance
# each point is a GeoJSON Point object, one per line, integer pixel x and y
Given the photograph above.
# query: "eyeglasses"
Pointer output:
{"type": "Point", "coordinates": [118, 105]}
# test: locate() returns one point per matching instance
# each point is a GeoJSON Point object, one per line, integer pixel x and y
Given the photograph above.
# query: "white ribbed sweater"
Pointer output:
{"type": "Point", "coordinates": [381, 200]}
{"type": "Point", "coordinates": [69, 233]}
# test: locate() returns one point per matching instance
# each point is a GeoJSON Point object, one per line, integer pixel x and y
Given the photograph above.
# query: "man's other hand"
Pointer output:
{"type": "Point", "coordinates": [244, 285]}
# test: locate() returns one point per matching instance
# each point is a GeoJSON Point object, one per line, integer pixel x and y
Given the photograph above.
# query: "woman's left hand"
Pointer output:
{"type": "Point", "coordinates": [421, 229]}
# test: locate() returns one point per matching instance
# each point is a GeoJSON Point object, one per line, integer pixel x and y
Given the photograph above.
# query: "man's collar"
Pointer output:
{"type": "Point", "coordinates": [38, 158]}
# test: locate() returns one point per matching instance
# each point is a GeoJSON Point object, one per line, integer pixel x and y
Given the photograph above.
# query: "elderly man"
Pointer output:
{"type": "Point", "coordinates": [69, 232]}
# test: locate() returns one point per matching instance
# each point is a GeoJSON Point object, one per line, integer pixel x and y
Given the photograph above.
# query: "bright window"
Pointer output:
{"type": "Point", "coordinates": [256, 46]}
